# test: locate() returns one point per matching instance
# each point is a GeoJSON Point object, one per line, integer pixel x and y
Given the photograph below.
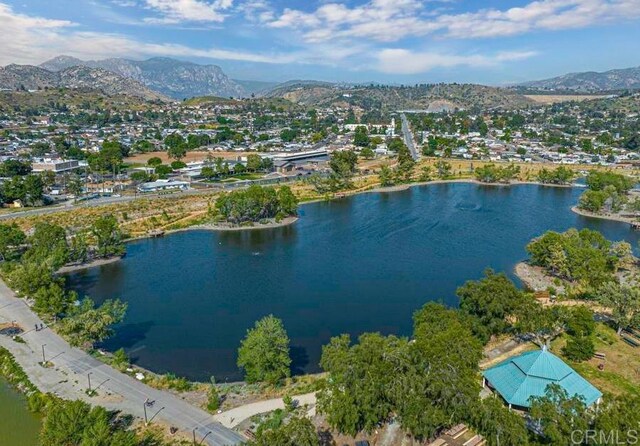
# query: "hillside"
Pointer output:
{"type": "Point", "coordinates": [436, 97]}
{"type": "Point", "coordinates": [591, 81]}
{"type": "Point", "coordinates": [55, 99]}
{"type": "Point", "coordinates": [173, 78]}
{"type": "Point", "coordinates": [28, 77]}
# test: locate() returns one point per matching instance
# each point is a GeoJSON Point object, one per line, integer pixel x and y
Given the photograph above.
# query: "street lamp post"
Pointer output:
{"type": "Point", "coordinates": [89, 379]}
{"type": "Point", "coordinates": [203, 438]}
{"type": "Point", "coordinates": [44, 360]}
{"type": "Point", "coordinates": [144, 406]}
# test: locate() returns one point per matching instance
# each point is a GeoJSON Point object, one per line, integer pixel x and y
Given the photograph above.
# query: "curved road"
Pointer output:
{"type": "Point", "coordinates": [68, 378]}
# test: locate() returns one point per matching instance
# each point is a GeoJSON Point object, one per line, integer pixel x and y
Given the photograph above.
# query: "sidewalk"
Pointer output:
{"type": "Point", "coordinates": [233, 417]}
{"type": "Point", "coordinates": [68, 378]}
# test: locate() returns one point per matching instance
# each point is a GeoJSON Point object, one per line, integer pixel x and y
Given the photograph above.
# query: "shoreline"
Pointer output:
{"type": "Point", "coordinates": [87, 265]}
{"type": "Point", "coordinates": [407, 186]}
{"type": "Point", "coordinates": [287, 221]}
{"type": "Point", "coordinates": [618, 218]}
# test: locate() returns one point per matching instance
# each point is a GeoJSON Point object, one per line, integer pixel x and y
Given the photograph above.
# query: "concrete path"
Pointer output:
{"type": "Point", "coordinates": [233, 417]}
{"type": "Point", "coordinates": [68, 378]}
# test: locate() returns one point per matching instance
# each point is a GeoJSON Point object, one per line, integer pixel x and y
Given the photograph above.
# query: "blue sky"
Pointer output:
{"type": "Point", "coordinates": [397, 41]}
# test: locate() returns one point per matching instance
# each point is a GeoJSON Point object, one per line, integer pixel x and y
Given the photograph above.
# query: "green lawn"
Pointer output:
{"type": "Point", "coordinates": [621, 373]}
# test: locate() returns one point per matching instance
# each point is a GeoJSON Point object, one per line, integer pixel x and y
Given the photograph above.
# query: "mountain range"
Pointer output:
{"type": "Point", "coordinates": [591, 81]}
{"type": "Point", "coordinates": [173, 78]}
{"type": "Point", "coordinates": [29, 77]}
{"type": "Point", "coordinates": [162, 78]}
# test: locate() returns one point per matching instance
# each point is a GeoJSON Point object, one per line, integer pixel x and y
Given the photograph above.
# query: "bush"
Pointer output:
{"type": "Point", "coordinates": [579, 348]}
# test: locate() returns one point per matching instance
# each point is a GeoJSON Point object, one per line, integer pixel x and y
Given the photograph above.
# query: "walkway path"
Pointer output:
{"type": "Point", "coordinates": [233, 417]}
{"type": "Point", "coordinates": [68, 378]}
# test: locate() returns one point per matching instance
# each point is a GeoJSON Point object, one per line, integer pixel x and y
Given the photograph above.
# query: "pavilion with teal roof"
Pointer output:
{"type": "Point", "coordinates": [519, 378]}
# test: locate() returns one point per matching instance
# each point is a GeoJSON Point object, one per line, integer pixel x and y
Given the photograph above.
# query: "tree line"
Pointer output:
{"type": "Point", "coordinates": [30, 265]}
{"type": "Point", "coordinates": [257, 203]}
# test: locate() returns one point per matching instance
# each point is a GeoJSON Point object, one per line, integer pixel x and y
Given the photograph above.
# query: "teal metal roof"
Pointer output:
{"type": "Point", "coordinates": [522, 377]}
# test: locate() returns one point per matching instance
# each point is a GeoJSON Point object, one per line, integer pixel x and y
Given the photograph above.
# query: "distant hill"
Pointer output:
{"type": "Point", "coordinates": [173, 78]}
{"type": "Point", "coordinates": [256, 87]}
{"type": "Point", "coordinates": [591, 81]}
{"type": "Point", "coordinates": [431, 97]}
{"type": "Point", "coordinates": [28, 77]}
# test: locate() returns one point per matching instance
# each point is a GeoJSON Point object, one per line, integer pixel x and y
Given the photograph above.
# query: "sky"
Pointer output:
{"type": "Point", "coordinates": [389, 41]}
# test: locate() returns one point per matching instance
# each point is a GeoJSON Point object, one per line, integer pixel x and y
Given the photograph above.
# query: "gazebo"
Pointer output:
{"type": "Point", "coordinates": [519, 378]}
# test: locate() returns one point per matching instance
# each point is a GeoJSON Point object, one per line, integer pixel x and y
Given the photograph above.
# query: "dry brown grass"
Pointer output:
{"type": "Point", "coordinates": [557, 98]}
{"type": "Point", "coordinates": [142, 158]}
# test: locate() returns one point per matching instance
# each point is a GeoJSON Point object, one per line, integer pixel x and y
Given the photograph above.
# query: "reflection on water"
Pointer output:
{"type": "Point", "coordinates": [18, 426]}
{"type": "Point", "coordinates": [347, 266]}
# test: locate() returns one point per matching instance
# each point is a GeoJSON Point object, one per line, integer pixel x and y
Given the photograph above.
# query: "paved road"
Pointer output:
{"type": "Point", "coordinates": [116, 391]}
{"type": "Point", "coordinates": [233, 417]}
{"type": "Point", "coordinates": [408, 138]}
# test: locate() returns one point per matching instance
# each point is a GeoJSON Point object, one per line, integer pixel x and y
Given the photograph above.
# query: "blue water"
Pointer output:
{"type": "Point", "coordinates": [364, 263]}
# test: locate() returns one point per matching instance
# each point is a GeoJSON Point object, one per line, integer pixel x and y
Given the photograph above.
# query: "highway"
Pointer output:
{"type": "Point", "coordinates": [408, 138]}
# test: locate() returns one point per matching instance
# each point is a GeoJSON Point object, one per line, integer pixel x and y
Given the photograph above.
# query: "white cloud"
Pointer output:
{"type": "Point", "coordinates": [402, 61]}
{"type": "Point", "coordinates": [31, 40]}
{"type": "Point", "coordinates": [178, 11]}
{"type": "Point", "coordinates": [389, 21]}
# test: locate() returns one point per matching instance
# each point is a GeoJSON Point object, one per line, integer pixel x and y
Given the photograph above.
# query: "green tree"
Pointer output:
{"type": "Point", "coordinates": [499, 425]}
{"type": "Point", "coordinates": [264, 352]}
{"type": "Point", "coordinates": [620, 414]}
{"type": "Point", "coordinates": [177, 152]}
{"type": "Point", "coordinates": [367, 153]}
{"type": "Point", "coordinates": [598, 180]}
{"type": "Point", "coordinates": [53, 300]}
{"type": "Point", "coordinates": [356, 397]}
{"type": "Point", "coordinates": [361, 137]}
{"type": "Point", "coordinates": [624, 301]}
{"type": "Point", "coordinates": [76, 187]}
{"type": "Point", "coordinates": [11, 240]}
{"type": "Point", "coordinates": [108, 236]}
{"type": "Point", "coordinates": [445, 346]}
{"type": "Point", "coordinates": [343, 167]}
{"type": "Point", "coordinates": [154, 161]}
{"type": "Point", "coordinates": [559, 415]}
{"type": "Point", "coordinates": [87, 324]}
{"type": "Point", "coordinates": [444, 169]}
{"type": "Point", "coordinates": [297, 431]}
{"type": "Point", "coordinates": [74, 423]}
{"type": "Point", "coordinates": [213, 396]}
{"type": "Point", "coordinates": [48, 244]}
{"type": "Point", "coordinates": [492, 300]}
{"type": "Point", "coordinates": [208, 172]}
{"type": "Point", "coordinates": [386, 176]}
{"type": "Point", "coordinates": [254, 162]}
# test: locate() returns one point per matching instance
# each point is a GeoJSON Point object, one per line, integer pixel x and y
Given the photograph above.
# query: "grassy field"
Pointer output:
{"type": "Point", "coordinates": [621, 373]}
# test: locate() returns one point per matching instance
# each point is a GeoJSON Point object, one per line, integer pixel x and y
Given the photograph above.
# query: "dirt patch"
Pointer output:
{"type": "Point", "coordinates": [535, 278]}
{"type": "Point", "coordinates": [142, 158]}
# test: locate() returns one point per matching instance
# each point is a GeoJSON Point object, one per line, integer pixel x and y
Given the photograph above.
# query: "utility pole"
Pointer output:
{"type": "Point", "coordinates": [44, 360]}
{"type": "Point", "coordinates": [89, 379]}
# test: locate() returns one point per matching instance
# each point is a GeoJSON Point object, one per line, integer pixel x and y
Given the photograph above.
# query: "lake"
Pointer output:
{"type": "Point", "coordinates": [18, 426]}
{"type": "Point", "coordinates": [358, 264]}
